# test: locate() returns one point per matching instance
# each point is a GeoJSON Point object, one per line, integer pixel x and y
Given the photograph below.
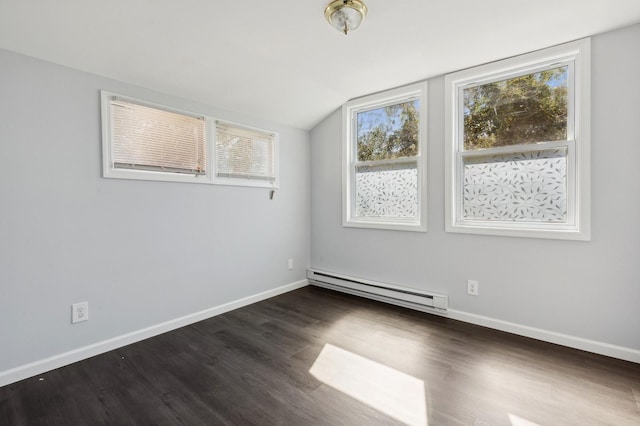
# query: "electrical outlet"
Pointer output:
{"type": "Point", "coordinates": [472, 287]}
{"type": "Point", "coordinates": [290, 264]}
{"type": "Point", "coordinates": [79, 312]}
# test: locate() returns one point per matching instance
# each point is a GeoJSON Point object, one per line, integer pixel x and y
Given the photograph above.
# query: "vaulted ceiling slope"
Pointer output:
{"type": "Point", "coordinates": [280, 60]}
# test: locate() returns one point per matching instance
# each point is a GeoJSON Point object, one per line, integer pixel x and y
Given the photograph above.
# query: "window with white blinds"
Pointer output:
{"type": "Point", "coordinates": [147, 138]}
{"type": "Point", "coordinates": [147, 141]}
{"type": "Point", "coordinates": [244, 153]}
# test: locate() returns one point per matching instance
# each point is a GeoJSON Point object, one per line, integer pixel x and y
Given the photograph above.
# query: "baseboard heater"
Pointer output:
{"type": "Point", "coordinates": [402, 296]}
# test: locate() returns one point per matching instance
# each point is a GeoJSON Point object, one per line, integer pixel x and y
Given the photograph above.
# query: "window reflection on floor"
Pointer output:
{"type": "Point", "coordinates": [519, 421]}
{"type": "Point", "coordinates": [385, 389]}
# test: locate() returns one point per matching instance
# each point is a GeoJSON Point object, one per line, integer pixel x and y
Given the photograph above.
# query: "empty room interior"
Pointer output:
{"type": "Point", "coordinates": [351, 212]}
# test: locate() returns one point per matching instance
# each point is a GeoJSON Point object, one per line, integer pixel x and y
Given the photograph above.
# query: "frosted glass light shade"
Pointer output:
{"type": "Point", "coordinates": [345, 15]}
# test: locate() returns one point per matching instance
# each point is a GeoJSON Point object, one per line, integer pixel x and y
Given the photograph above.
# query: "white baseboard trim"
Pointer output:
{"type": "Point", "coordinates": [75, 355]}
{"type": "Point", "coordinates": [620, 352]}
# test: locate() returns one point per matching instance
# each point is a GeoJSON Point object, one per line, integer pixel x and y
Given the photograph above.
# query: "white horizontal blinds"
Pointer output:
{"type": "Point", "coordinates": [146, 138]}
{"type": "Point", "coordinates": [244, 153]}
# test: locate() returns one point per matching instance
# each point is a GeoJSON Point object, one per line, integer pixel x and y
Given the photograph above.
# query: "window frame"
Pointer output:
{"type": "Point", "coordinates": [576, 55]}
{"type": "Point", "coordinates": [209, 177]}
{"type": "Point", "coordinates": [350, 162]}
{"type": "Point", "coordinates": [108, 169]}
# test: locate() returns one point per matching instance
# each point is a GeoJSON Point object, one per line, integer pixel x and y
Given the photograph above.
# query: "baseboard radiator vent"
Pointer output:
{"type": "Point", "coordinates": [402, 296]}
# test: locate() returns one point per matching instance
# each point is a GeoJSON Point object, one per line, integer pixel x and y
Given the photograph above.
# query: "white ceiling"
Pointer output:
{"type": "Point", "coordinates": [279, 59]}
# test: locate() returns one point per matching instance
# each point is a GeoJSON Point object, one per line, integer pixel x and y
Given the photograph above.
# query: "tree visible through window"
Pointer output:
{"type": "Point", "coordinates": [384, 167]}
{"type": "Point", "coordinates": [527, 109]}
{"type": "Point", "coordinates": [519, 147]}
{"type": "Point", "coordinates": [388, 132]}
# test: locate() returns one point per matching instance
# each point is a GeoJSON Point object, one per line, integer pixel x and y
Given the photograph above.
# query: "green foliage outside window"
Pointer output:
{"type": "Point", "coordinates": [527, 109]}
{"type": "Point", "coordinates": [389, 132]}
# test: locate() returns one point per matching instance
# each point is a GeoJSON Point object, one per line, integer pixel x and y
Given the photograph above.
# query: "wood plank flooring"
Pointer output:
{"type": "Point", "coordinates": [252, 366]}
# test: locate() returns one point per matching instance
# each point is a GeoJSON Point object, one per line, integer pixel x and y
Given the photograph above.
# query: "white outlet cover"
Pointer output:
{"type": "Point", "coordinates": [290, 264]}
{"type": "Point", "coordinates": [79, 312]}
{"type": "Point", "coordinates": [472, 287]}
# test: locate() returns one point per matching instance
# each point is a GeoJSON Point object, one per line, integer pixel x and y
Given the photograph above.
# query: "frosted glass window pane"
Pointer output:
{"type": "Point", "coordinates": [522, 187]}
{"type": "Point", "coordinates": [526, 109]}
{"type": "Point", "coordinates": [389, 190]}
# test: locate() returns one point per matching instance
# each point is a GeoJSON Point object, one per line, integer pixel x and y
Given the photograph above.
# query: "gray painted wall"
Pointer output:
{"type": "Point", "coordinates": [139, 252]}
{"type": "Point", "coordinates": [589, 290]}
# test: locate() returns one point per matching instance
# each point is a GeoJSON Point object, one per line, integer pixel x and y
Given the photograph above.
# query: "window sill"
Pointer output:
{"type": "Point", "coordinates": [376, 223]}
{"type": "Point", "coordinates": [526, 230]}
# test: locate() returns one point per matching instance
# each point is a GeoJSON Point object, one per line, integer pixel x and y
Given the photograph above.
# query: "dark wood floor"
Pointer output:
{"type": "Point", "coordinates": [252, 366]}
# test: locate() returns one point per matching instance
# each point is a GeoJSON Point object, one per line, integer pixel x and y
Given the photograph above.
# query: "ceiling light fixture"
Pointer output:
{"type": "Point", "coordinates": [345, 15]}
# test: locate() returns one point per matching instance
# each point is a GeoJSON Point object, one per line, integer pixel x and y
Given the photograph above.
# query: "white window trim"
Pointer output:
{"type": "Point", "coordinates": [349, 161]}
{"type": "Point", "coordinates": [108, 171]}
{"type": "Point", "coordinates": [578, 226]}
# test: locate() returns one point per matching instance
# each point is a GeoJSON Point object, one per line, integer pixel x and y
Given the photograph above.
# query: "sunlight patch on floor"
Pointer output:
{"type": "Point", "coordinates": [519, 421]}
{"type": "Point", "coordinates": [385, 389]}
